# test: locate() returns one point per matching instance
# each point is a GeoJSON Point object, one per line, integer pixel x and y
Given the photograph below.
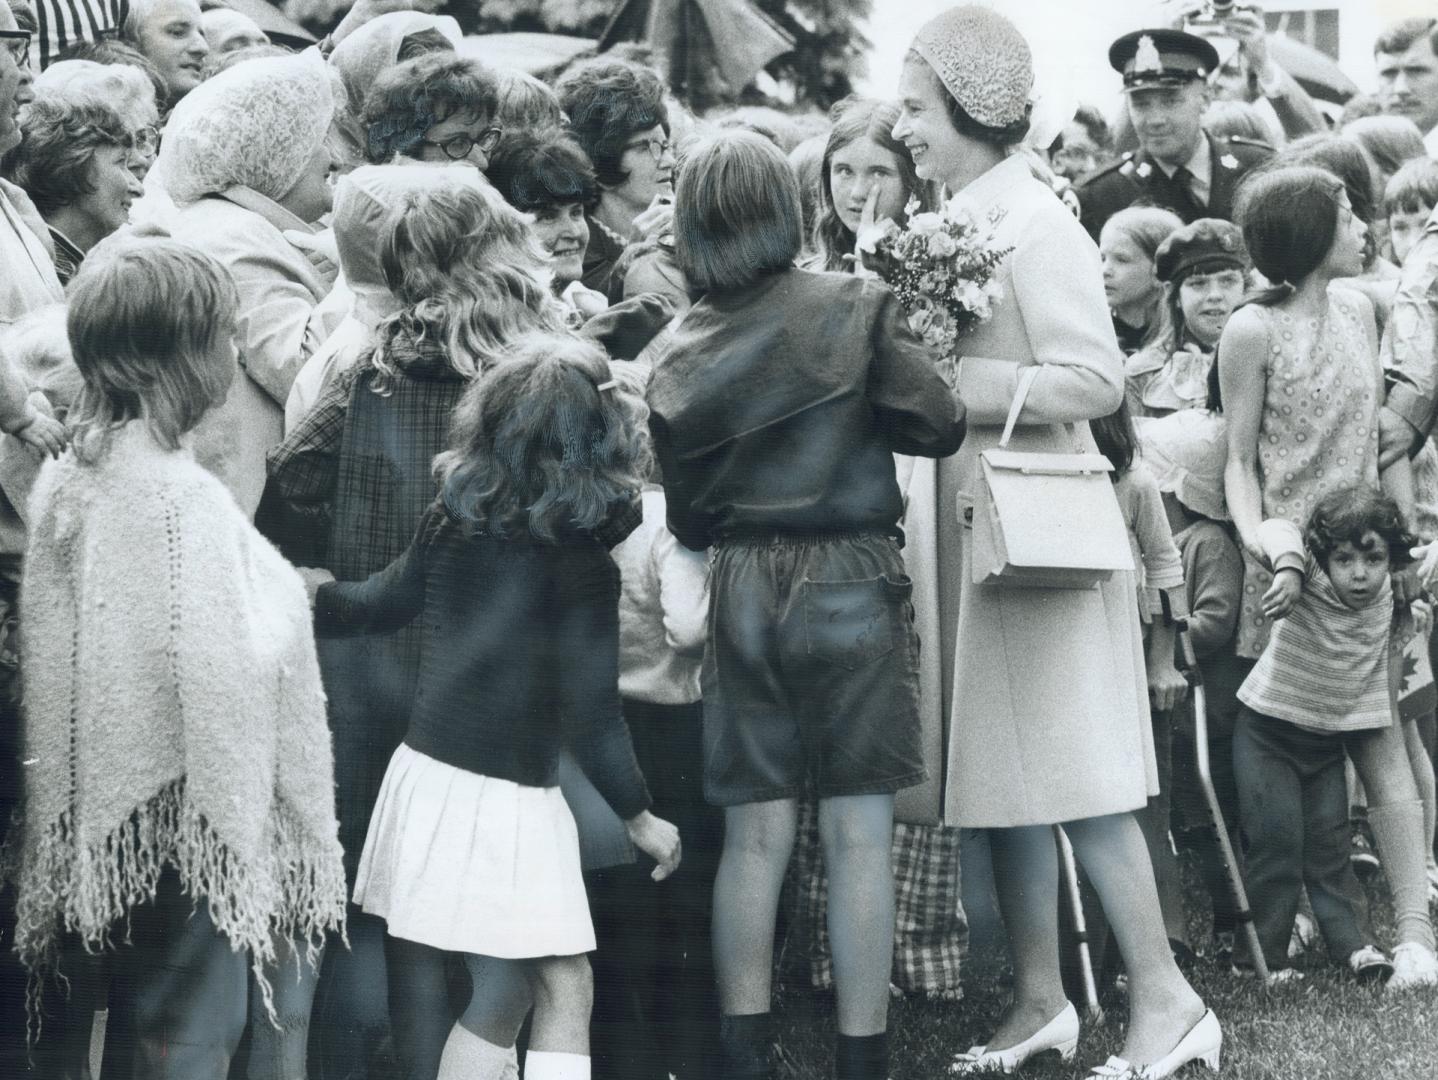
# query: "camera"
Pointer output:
{"type": "Point", "coordinates": [1213, 12]}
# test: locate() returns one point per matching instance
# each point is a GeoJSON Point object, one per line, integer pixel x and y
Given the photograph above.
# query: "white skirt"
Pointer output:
{"type": "Point", "coordinates": [475, 864]}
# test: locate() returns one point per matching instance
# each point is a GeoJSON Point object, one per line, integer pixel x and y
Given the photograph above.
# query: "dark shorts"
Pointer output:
{"type": "Point", "coordinates": [811, 670]}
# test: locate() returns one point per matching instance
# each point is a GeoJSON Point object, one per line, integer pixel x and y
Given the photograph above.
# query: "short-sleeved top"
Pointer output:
{"type": "Point", "coordinates": [1319, 429]}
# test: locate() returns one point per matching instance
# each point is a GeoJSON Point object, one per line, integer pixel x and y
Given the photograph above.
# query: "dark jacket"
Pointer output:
{"type": "Point", "coordinates": [1136, 180]}
{"type": "Point", "coordinates": [519, 652]}
{"type": "Point", "coordinates": [777, 408]}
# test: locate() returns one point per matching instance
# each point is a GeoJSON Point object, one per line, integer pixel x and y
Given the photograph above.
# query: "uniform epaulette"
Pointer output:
{"type": "Point", "coordinates": [1113, 167]}
{"type": "Point", "coordinates": [1257, 144]}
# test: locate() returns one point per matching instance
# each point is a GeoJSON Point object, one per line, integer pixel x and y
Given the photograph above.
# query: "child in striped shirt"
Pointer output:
{"type": "Point", "coordinates": [1320, 689]}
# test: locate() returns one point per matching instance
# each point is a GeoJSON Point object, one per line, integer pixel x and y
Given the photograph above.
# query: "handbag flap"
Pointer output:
{"type": "Point", "coordinates": [1055, 511]}
{"type": "Point", "coordinates": [1058, 464]}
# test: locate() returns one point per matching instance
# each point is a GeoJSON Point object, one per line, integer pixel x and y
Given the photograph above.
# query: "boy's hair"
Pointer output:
{"type": "Point", "coordinates": [736, 213]}
{"type": "Point", "coordinates": [526, 104]}
{"type": "Point", "coordinates": [1412, 189]}
{"type": "Point", "coordinates": [471, 276]}
{"type": "Point", "coordinates": [1346, 514]}
{"type": "Point", "coordinates": [144, 322]}
{"type": "Point", "coordinates": [538, 449]}
{"type": "Point", "coordinates": [1224, 119]}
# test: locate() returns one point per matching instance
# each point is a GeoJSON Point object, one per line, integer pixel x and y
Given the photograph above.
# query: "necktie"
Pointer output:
{"type": "Point", "coordinates": [1187, 182]}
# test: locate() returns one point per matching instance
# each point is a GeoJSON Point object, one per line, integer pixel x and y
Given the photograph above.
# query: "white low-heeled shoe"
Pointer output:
{"type": "Point", "coordinates": [1202, 1043]}
{"type": "Point", "coordinates": [1061, 1034]}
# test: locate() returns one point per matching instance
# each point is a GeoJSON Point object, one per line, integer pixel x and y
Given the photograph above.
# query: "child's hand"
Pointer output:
{"type": "Point", "coordinates": [658, 839]}
{"type": "Point", "coordinates": [656, 219]}
{"type": "Point", "coordinates": [313, 578]}
{"type": "Point", "coordinates": [1287, 587]}
{"type": "Point", "coordinates": [44, 433]}
{"type": "Point", "coordinates": [1166, 686]}
{"type": "Point", "coordinates": [1422, 616]}
{"type": "Point", "coordinates": [1426, 557]}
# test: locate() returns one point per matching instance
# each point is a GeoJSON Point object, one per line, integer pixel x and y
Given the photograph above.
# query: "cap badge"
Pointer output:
{"type": "Point", "coordinates": [1147, 57]}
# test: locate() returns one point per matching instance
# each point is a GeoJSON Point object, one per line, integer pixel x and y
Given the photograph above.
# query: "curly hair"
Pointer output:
{"type": "Point", "coordinates": [538, 448]}
{"type": "Point", "coordinates": [59, 139]}
{"type": "Point", "coordinates": [542, 170]}
{"type": "Point", "coordinates": [410, 98]}
{"type": "Point", "coordinates": [145, 322]}
{"type": "Point", "coordinates": [608, 102]}
{"type": "Point", "coordinates": [471, 276]}
{"type": "Point", "coordinates": [1348, 514]}
{"type": "Point", "coordinates": [854, 119]}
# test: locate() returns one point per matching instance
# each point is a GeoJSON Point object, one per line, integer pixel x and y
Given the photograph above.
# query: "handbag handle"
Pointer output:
{"type": "Point", "coordinates": [1021, 393]}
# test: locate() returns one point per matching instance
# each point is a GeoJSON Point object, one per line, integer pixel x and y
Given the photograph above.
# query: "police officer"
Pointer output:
{"type": "Point", "coordinates": [1178, 165]}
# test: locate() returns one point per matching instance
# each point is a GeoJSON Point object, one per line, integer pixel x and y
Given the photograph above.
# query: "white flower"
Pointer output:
{"type": "Point", "coordinates": [925, 224]}
{"type": "Point", "coordinates": [943, 246]}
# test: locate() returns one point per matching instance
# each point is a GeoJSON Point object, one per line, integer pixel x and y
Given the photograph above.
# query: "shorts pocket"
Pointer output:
{"type": "Point", "coordinates": [853, 623]}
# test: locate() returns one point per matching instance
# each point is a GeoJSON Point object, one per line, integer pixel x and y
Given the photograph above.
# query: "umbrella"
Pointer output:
{"type": "Point", "coordinates": [536, 54]}
{"type": "Point", "coordinates": [281, 29]}
{"type": "Point", "coordinates": [1316, 71]}
{"type": "Point", "coordinates": [696, 39]}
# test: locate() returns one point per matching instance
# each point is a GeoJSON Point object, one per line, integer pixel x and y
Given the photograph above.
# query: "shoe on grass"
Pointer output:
{"type": "Point", "coordinates": [1368, 964]}
{"type": "Point", "coordinates": [1276, 976]}
{"type": "Point", "coordinates": [1414, 967]}
{"type": "Point", "coordinates": [1362, 854]}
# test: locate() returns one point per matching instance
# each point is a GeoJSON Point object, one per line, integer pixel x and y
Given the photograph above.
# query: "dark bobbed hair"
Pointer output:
{"type": "Point", "coordinates": [542, 170]}
{"type": "Point", "coordinates": [538, 450]}
{"type": "Point", "coordinates": [1289, 216]}
{"type": "Point", "coordinates": [410, 98]}
{"type": "Point", "coordinates": [1413, 188]}
{"type": "Point", "coordinates": [1346, 159]}
{"type": "Point", "coordinates": [1224, 119]}
{"type": "Point", "coordinates": [1391, 141]}
{"type": "Point", "coordinates": [59, 139]}
{"type": "Point", "coordinates": [144, 320]}
{"type": "Point", "coordinates": [1092, 121]}
{"type": "Point", "coordinates": [854, 119]}
{"type": "Point", "coordinates": [1399, 37]}
{"type": "Point", "coordinates": [110, 51]}
{"type": "Point", "coordinates": [966, 125]}
{"type": "Point", "coordinates": [736, 213]}
{"type": "Point", "coordinates": [608, 102]}
{"type": "Point", "coordinates": [1349, 512]}
{"type": "Point", "coordinates": [1116, 439]}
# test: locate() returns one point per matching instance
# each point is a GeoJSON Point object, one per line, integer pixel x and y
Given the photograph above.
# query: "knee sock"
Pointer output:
{"type": "Point", "coordinates": [861, 1057]}
{"type": "Point", "coordinates": [746, 1044]}
{"type": "Point", "coordinates": [468, 1057]}
{"type": "Point", "coordinates": [553, 1065]}
{"type": "Point", "coordinates": [1398, 828]}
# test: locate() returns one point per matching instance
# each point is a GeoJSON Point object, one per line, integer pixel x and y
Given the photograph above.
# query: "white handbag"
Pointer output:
{"type": "Point", "coordinates": [1045, 520]}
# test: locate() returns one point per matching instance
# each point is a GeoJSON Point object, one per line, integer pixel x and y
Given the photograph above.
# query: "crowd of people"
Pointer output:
{"type": "Point", "coordinates": [472, 546]}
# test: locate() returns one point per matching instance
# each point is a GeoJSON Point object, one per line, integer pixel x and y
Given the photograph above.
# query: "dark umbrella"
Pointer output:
{"type": "Point", "coordinates": [281, 29]}
{"type": "Point", "coordinates": [699, 42]}
{"type": "Point", "coordinates": [1316, 71]}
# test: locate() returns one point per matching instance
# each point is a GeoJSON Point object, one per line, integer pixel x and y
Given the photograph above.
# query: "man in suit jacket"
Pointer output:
{"type": "Point", "coordinates": [1177, 166]}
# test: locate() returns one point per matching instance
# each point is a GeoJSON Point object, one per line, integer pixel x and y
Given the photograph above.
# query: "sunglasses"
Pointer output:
{"type": "Point", "coordinates": [458, 147]}
{"type": "Point", "coordinates": [18, 43]}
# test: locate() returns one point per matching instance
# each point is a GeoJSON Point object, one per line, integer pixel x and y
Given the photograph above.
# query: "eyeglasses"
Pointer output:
{"type": "Point", "coordinates": [657, 147]}
{"type": "Point", "coordinates": [458, 147]}
{"type": "Point", "coordinates": [18, 42]}
{"type": "Point", "coordinates": [147, 138]}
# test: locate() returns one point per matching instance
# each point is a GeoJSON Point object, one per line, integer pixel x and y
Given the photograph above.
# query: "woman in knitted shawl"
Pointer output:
{"type": "Point", "coordinates": [178, 810]}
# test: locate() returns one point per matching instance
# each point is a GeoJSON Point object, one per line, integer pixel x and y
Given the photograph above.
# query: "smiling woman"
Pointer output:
{"type": "Point", "coordinates": [168, 33]}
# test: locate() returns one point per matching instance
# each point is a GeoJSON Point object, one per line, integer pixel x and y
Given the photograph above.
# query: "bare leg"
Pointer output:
{"type": "Point", "coordinates": [1162, 1006]}
{"type": "Point", "coordinates": [758, 839]}
{"type": "Point", "coordinates": [1026, 880]}
{"type": "Point", "coordinates": [857, 833]}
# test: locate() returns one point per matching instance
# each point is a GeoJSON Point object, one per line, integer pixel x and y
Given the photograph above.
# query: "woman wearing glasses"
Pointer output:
{"type": "Point", "coordinates": [617, 113]}
{"type": "Point", "coordinates": [124, 88]}
{"type": "Point", "coordinates": [439, 107]}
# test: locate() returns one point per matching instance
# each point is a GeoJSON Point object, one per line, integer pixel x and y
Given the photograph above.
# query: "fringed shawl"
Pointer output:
{"type": "Point", "coordinates": [173, 711]}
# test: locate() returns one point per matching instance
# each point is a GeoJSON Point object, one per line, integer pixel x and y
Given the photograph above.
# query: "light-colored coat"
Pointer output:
{"type": "Point", "coordinates": [1035, 698]}
{"type": "Point", "coordinates": [280, 325]}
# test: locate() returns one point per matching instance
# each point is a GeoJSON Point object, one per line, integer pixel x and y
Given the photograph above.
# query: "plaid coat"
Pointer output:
{"type": "Point", "coordinates": [346, 491]}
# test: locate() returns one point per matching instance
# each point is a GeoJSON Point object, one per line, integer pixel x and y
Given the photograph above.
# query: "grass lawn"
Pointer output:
{"type": "Point", "coordinates": [1326, 1027]}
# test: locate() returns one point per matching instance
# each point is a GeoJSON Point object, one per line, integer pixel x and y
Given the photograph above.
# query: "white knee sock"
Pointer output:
{"type": "Point", "coordinates": [468, 1057]}
{"type": "Point", "coordinates": [553, 1065]}
{"type": "Point", "coordinates": [1398, 828]}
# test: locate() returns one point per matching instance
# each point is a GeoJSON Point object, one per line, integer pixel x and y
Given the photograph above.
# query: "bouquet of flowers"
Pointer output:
{"type": "Point", "coordinates": [941, 266]}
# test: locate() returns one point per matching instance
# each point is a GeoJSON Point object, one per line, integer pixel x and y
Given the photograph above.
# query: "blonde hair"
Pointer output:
{"type": "Point", "coordinates": [145, 321]}
{"type": "Point", "coordinates": [471, 276]}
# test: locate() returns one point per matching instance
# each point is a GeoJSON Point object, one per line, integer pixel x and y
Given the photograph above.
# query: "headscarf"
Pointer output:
{"type": "Point", "coordinates": [375, 46]}
{"type": "Point", "coordinates": [366, 203]}
{"type": "Point", "coordinates": [254, 126]}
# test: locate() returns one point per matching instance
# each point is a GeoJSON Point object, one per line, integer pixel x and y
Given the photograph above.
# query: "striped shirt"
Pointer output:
{"type": "Point", "coordinates": [1325, 667]}
{"type": "Point", "coordinates": [66, 22]}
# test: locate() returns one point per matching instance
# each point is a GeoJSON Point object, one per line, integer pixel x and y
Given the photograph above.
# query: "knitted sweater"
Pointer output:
{"type": "Point", "coordinates": [173, 715]}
